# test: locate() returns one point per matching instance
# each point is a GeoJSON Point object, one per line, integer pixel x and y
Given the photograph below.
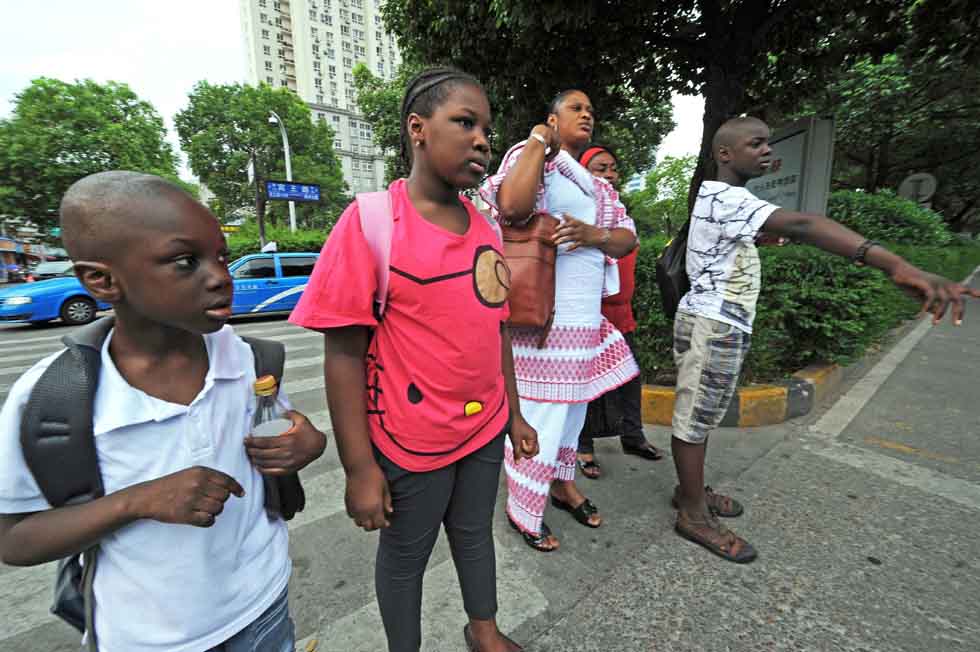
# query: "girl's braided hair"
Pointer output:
{"type": "Point", "coordinates": [424, 93]}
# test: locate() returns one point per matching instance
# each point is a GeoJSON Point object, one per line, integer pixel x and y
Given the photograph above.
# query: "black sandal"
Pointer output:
{"type": "Point", "coordinates": [537, 542]}
{"type": "Point", "coordinates": [647, 451]}
{"type": "Point", "coordinates": [580, 513]}
{"type": "Point", "coordinates": [590, 468]}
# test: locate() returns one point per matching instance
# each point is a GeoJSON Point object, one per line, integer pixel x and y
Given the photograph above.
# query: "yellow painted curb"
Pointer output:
{"type": "Point", "coordinates": [823, 377]}
{"type": "Point", "coordinates": [761, 405]}
{"type": "Point", "coordinates": [758, 405]}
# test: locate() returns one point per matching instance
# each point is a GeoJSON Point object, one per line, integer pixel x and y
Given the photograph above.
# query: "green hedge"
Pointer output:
{"type": "Point", "coordinates": [813, 307]}
{"type": "Point", "coordinates": [888, 218]}
{"type": "Point", "coordinates": [246, 241]}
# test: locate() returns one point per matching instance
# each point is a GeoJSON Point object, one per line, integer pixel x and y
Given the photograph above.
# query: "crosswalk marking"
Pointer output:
{"type": "Point", "coordinates": [293, 343]}
{"type": "Point", "coordinates": [442, 610]}
{"type": "Point", "coordinates": [53, 342]}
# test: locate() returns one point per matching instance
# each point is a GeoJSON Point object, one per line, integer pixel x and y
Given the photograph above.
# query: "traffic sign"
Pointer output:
{"type": "Point", "coordinates": [289, 191]}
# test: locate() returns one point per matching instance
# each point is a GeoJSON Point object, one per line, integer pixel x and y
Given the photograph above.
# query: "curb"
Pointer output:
{"type": "Point", "coordinates": [757, 405]}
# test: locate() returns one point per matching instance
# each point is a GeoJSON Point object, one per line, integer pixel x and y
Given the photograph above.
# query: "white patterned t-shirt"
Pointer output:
{"type": "Point", "coordinates": [722, 261]}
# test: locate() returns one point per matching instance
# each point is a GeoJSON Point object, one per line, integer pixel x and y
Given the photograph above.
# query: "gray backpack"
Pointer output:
{"type": "Point", "coordinates": [57, 439]}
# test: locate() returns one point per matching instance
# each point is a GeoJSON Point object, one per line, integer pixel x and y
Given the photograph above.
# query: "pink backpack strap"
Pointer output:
{"type": "Point", "coordinates": [377, 223]}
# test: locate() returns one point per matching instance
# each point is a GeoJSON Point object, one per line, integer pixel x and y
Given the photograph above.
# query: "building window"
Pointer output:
{"type": "Point", "coordinates": [262, 3]}
{"type": "Point", "coordinates": [267, 50]}
{"type": "Point", "coordinates": [360, 51]}
{"type": "Point", "coordinates": [332, 71]}
{"type": "Point", "coordinates": [265, 34]}
{"type": "Point", "coordinates": [316, 49]}
{"type": "Point", "coordinates": [357, 18]}
{"type": "Point", "coordinates": [358, 35]}
{"type": "Point", "coordinates": [377, 20]}
{"type": "Point", "coordinates": [322, 117]}
{"type": "Point", "coordinates": [346, 46]}
{"type": "Point", "coordinates": [263, 18]}
{"type": "Point", "coordinates": [381, 68]}
{"type": "Point", "coordinates": [344, 15]}
{"type": "Point", "coordinates": [277, 6]}
{"type": "Point", "coordinates": [283, 82]}
{"type": "Point", "coordinates": [331, 54]}
{"type": "Point", "coordinates": [312, 14]}
{"type": "Point", "coordinates": [270, 81]}
{"type": "Point", "coordinates": [355, 165]}
{"type": "Point", "coordinates": [345, 30]}
{"type": "Point", "coordinates": [319, 99]}
{"type": "Point", "coordinates": [350, 94]}
{"type": "Point", "coordinates": [326, 19]}
{"type": "Point", "coordinates": [268, 66]}
{"type": "Point", "coordinates": [365, 131]}
{"type": "Point", "coordinates": [348, 62]}
{"type": "Point", "coordinates": [357, 4]}
{"type": "Point", "coordinates": [278, 21]}
{"type": "Point", "coordinates": [333, 100]}
{"type": "Point", "coordinates": [316, 66]}
{"type": "Point", "coordinates": [338, 143]}
{"type": "Point", "coordinates": [313, 32]}
{"type": "Point", "coordinates": [333, 87]}
{"type": "Point", "coordinates": [349, 79]}
{"type": "Point", "coordinates": [318, 83]}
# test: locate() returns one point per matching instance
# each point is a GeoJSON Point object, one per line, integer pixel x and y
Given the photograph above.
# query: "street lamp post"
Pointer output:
{"type": "Point", "coordinates": [275, 119]}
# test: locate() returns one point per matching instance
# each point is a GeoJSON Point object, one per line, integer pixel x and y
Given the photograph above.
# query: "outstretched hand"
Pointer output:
{"type": "Point", "coordinates": [523, 438]}
{"type": "Point", "coordinates": [937, 293]}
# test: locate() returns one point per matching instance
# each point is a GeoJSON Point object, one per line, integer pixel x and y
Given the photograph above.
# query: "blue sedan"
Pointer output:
{"type": "Point", "coordinates": [43, 301]}
{"type": "Point", "coordinates": [263, 283]}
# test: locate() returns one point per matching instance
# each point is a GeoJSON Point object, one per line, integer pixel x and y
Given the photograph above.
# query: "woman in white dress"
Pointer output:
{"type": "Point", "coordinates": [584, 356]}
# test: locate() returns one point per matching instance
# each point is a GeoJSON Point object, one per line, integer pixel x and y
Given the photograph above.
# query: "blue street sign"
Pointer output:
{"type": "Point", "coordinates": [290, 191]}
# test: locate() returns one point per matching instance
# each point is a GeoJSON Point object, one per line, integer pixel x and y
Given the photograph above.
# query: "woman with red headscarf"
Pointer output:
{"type": "Point", "coordinates": [617, 412]}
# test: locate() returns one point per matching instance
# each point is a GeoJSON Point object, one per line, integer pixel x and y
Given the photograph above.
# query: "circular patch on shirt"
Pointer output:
{"type": "Point", "coordinates": [491, 278]}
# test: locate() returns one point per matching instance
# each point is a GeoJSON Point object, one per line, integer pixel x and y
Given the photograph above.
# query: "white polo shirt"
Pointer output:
{"type": "Point", "coordinates": [162, 587]}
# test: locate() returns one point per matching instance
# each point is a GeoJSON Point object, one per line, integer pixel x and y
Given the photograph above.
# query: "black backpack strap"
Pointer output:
{"type": "Point", "coordinates": [284, 494]}
{"type": "Point", "coordinates": [58, 442]}
{"type": "Point", "coordinates": [270, 357]}
{"type": "Point", "coordinates": [56, 426]}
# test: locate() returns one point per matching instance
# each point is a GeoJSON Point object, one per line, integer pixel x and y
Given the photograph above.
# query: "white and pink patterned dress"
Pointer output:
{"type": "Point", "coordinates": [584, 355]}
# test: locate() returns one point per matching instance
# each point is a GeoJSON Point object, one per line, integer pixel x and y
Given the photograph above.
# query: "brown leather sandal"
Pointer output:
{"type": "Point", "coordinates": [711, 534]}
{"type": "Point", "coordinates": [719, 504]}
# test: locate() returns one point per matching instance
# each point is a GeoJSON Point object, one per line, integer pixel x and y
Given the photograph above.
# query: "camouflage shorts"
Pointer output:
{"type": "Point", "coordinates": [709, 356]}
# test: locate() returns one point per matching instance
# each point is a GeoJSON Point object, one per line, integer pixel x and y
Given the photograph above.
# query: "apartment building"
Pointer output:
{"type": "Point", "coordinates": [311, 48]}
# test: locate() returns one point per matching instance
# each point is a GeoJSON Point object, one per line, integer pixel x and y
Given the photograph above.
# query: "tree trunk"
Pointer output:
{"type": "Point", "coordinates": [724, 95]}
{"type": "Point", "coordinates": [259, 203]}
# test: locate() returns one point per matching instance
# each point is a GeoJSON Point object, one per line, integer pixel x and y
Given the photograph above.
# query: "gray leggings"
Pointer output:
{"type": "Point", "coordinates": [461, 496]}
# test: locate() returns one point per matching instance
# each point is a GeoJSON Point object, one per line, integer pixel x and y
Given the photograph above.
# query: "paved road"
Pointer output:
{"type": "Point", "coordinates": [865, 515]}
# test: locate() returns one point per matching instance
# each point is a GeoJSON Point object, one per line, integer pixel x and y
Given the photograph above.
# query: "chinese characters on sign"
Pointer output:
{"type": "Point", "coordinates": [285, 190]}
{"type": "Point", "coordinates": [798, 178]}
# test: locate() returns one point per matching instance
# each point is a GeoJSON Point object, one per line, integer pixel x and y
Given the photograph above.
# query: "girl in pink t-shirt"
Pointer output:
{"type": "Point", "coordinates": [422, 395]}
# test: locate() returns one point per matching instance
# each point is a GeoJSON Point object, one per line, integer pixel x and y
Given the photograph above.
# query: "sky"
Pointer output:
{"type": "Point", "coordinates": [161, 48]}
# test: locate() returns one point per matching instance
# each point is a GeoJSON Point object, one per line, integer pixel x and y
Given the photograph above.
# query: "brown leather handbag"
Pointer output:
{"type": "Point", "coordinates": [530, 255]}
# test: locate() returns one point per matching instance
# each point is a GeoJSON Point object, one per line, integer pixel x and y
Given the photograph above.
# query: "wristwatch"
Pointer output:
{"type": "Point", "coordinates": [540, 139]}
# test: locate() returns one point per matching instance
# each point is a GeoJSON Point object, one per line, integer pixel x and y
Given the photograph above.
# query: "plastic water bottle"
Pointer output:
{"type": "Point", "coordinates": [269, 420]}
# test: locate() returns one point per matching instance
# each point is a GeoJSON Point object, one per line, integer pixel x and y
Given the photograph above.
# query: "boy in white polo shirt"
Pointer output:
{"type": "Point", "coordinates": [189, 560]}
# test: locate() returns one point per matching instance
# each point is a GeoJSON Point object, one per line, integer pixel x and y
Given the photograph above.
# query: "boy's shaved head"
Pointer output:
{"type": "Point", "coordinates": [98, 212]}
{"type": "Point", "coordinates": [730, 131]}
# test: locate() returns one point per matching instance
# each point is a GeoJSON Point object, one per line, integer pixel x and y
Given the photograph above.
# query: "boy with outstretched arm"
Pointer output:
{"type": "Point", "coordinates": [713, 326]}
{"type": "Point", "coordinates": [189, 559]}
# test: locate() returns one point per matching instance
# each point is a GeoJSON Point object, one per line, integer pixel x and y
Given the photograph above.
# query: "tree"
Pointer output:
{"type": "Point", "coordinates": [225, 130]}
{"type": "Point", "coordinates": [729, 52]}
{"type": "Point", "coordinates": [380, 104]}
{"type": "Point", "coordinates": [900, 113]}
{"type": "Point", "coordinates": [634, 132]}
{"type": "Point", "coordinates": [661, 207]}
{"type": "Point", "coordinates": [61, 131]}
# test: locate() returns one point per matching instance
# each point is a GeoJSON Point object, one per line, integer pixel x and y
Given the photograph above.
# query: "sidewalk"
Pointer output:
{"type": "Point", "coordinates": [865, 518]}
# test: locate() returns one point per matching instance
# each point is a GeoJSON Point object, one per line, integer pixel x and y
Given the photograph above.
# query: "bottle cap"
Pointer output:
{"type": "Point", "coordinates": [266, 385]}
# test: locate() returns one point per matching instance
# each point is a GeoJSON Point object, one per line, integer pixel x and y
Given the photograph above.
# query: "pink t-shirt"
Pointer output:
{"type": "Point", "coordinates": [435, 383]}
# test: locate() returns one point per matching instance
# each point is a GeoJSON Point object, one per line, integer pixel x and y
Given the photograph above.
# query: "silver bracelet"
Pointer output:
{"type": "Point", "coordinates": [540, 139]}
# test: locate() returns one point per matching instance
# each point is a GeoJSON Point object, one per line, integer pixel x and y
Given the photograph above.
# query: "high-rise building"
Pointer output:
{"type": "Point", "coordinates": [311, 48]}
